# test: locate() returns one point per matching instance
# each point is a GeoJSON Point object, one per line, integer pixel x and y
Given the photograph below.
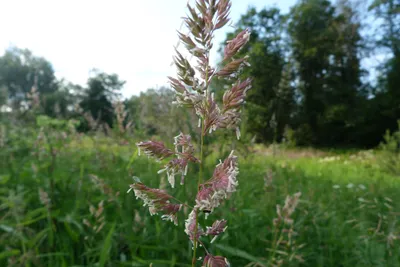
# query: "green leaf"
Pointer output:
{"type": "Point", "coordinates": [9, 253]}
{"type": "Point", "coordinates": [36, 212]}
{"type": "Point", "coordinates": [106, 247]}
{"type": "Point", "coordinates": [238, 253]}
{"type": "Point", "coordinates": [74, 235]}
{"type": "Point", "coordinates": [132, 158]}
{"type": "Point", "coordinates": [38, 237]}
{"type": "Point", "coordinates": [60, 254]}
{"type": "Point", "coordinates": [28, 222]}
{"type": "Point", "coordinates": [4, 179]}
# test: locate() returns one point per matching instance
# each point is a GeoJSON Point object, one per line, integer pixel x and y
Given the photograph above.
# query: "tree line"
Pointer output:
{"type": "Point", "coordinates": [309, 83]}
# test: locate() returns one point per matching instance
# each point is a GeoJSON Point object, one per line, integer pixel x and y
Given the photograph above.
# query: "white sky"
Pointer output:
{"type": "Point", "coordinates": [132, 38]}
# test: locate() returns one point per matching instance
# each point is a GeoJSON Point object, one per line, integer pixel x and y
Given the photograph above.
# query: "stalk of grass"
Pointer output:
{"type": "Point", "coordinates": [192, 91]}
{"type": "Point", "coordinates": [106, 247]}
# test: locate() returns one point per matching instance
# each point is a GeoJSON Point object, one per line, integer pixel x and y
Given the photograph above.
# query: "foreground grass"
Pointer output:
{"type": "Point", "coordinates": [54, 212]}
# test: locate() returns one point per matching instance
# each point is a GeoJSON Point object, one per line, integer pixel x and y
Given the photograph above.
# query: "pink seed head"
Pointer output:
{"type": "Point", "coordinates": [154, 149]}
{"type": "Point", "coordinates": [215, 261]}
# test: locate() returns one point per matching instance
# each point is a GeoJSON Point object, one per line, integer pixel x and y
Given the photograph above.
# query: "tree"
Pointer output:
{"type": "Point", "coordinates": [386, 100]}
{"type": "Point", "coordinates": [154, 114]}
{"type": "Point", "coordinates": [102, 90]}
{"type": "Point", "coordinates": [61, 103]}
{"type": "Point", "coordinates": [285, 105]}
{"type": "Point", "coordinates": [344, 79]}
{"type": "Point", "coordinates": [312, 41]}
{"type": "Point", "coordinates": [389, 12]}
{"type": "Point", "coordinates": [325, 44]}
{"type": "Point", "coordinates": [20, 70]}
{"type": "Point", "coordinates": [266, 51]}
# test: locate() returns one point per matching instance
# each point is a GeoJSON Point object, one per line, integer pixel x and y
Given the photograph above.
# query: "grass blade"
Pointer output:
{"type": "Point", "coordinates": [106, 247]}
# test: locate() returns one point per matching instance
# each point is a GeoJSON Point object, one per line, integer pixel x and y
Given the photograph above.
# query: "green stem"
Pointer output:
{"type": "Point", "coordinates": [201, 168]}
{"type": "Point", "coordinates": [198, 188]}
{"type": "Point", "coordinates": [201, 157]}
{"type": "Point", "coordinates": [184, 204]}
{"type": "Point", "coordinates": [274, 245]}
{"type": "Point", "coordinates": [195, 241]}
{"type": "Point", "coordinates": [51, 235]}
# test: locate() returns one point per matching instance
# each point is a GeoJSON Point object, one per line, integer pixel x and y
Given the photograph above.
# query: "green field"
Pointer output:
{"type": "Point", "coordinates": [54, 212]}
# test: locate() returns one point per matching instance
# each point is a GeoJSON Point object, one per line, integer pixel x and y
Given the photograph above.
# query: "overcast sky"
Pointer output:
{"type": "Point", "coordinates": [133, 38]}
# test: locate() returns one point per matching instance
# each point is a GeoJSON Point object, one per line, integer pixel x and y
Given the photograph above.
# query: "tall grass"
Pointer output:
{"type": "Point", "coordinates": [347, 215]}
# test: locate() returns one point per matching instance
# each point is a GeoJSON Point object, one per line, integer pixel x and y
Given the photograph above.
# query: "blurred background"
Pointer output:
{"type": "Point", "coordinates": [82, 81]}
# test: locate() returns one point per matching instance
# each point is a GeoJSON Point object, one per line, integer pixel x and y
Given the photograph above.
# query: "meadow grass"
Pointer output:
{"type": "Point", "coordinates": [347, 216]}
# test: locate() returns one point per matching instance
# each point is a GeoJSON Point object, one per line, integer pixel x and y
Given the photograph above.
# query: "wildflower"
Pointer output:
{"type": "Point", "coordinates": [185, 71]}
{"type": "Point", "coordinates": [184, 151]}
{"type": "Point", "coordinates": [223, 8]}
{"type": "Point", "coordinates": [237, 43]}
{"type": "Point", "coordinates": [183, 141]}
{"type": "Point", "coordinates": [177, 85]}
{"type": "Point", "coordinates": [291, 203]}
{"type": "Point", "coordinates": [350, 185]}
{"type": "Point", "coordinates": [191, 87]}
{"type": "Point", "coordinates": [187, 99]}
{"type": "Point", "coordinates": [105, 188]}
{"type": "Point", "coordinates": [268, 179]}
{"type": "Point", "coordinates": [210, 112]}
{"type": "Point", "coordinates": [220, 186]}
{"type": "Point", "coordinates": [98, 220]}
{"type": "Point", "coordinates": [216, 229]}
{"type": "Point", "coordinates": [231, 120]}
{"type": "Point", "coordinates": [190, 226]}
{"type": "Point", "coordinates": [215, 261]}
{"type": "Point", "coordinates": [44, 198]}
{"type": "Point", "coordinates": [186, 148]}
{"type": "Point", "coordinates": [336, 186]}
{"type": "Point", "coordinates": [284, 227]}
{"type": "Point", "coordinates": [157, 200]}
{"type": "Point", "coordinates": [284, 214]}
{"type": "Point", "coordinates": [234, 97]}
{"type": "Point", "coordinates": [154, 149]}
{"type": "Point", "coordinates": [231, 69]}
{"type": "Point", "coordinates": [190, 45]}
{"type": "Point", "coordinates": [173, 167]}
{"type": "Point", "coordinates": [87, 223]}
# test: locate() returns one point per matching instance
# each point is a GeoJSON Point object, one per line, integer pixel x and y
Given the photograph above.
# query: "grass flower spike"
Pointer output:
{"type": "Point", "coordinates": [158, 201]}
{"type": "Point", "coordinates": [215, 261]}
{"type": "Point", "coordinates": [220, 186]}
{"type": "Point", "coordinates": [192, 89]}
{"type": "Point", "coordinates": [154, 149]}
